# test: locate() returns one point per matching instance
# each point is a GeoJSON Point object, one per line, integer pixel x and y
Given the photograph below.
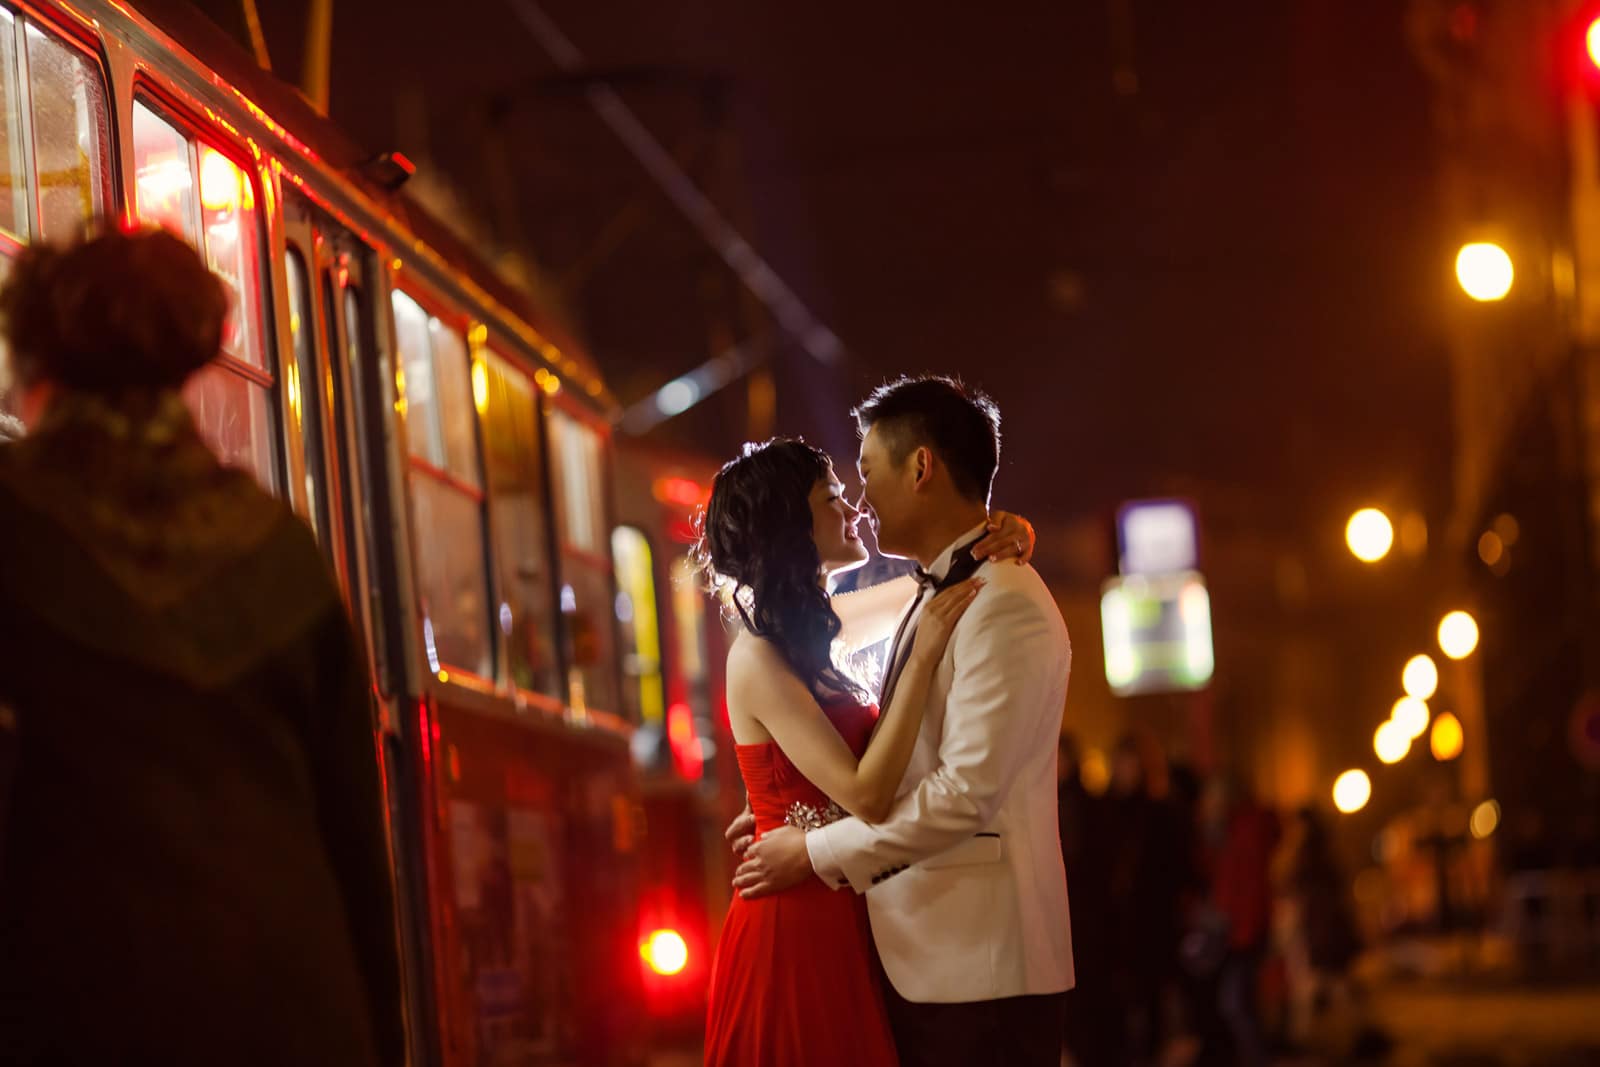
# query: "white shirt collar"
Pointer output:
{"type": "Point", "coordinates": [947, 558]}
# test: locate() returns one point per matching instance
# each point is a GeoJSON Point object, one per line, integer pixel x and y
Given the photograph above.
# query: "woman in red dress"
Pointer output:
{"type": "Point", "coordinates": [794, 983]}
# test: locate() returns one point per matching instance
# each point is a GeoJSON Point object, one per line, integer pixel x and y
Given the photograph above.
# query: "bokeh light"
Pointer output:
{"type": "Point", "coordinates": [1458, 635]}
{"type": "Point", "coordinates": [1421, 677]}
{"type": "Point", "coordinates": [665, 952]}
{"type": "Point", "coordinates": [1370, 535]}
{"type": "Point", "coordinates": [1351, 791]}
{"type": "Point", "coordinates": [1411, 716]}
{"type": "Point", "coordinates": [1484, 271]}
{"type": "Point", "coordinates": [1485, 819]}
{"type": "Point", "coordinates": [1391, 742]}
{"type": "Point", "coordinates": [1447, 739]}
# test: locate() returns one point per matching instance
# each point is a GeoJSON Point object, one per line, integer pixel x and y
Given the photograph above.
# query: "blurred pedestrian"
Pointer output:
{"type": "Point", "coordinates": [1321, 942]}
{"type": "Point", "coordinates": [1241, 836]}
{"type": "Point", "coordinates": [1148, 870]}
{"type": "Point", "coordinates": [195, 867]}
{"type": "Point", "coordinates": [1093, 1026]}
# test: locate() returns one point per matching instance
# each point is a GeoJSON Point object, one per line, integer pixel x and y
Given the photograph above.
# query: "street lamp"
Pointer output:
{"type": "Point", "coordinates": [1592, 40]}
{"type": "Point", "coordinates": [1410, 715]}
{"type": "Point", "coordinates": [1391, 742]}
{"type": "Point", "coordinates": [1370, 535]}
{"type": "Point", "coordinates": [1351, 791]}
{"type": "Point", "coordinates": [1447, 739]}
{"type": "Point", "coordinates": [1484, 271]}
{"type": "Point", "coordinates": [1458, 632]}
{"type": "Point", "coordinates": [1420, 678]}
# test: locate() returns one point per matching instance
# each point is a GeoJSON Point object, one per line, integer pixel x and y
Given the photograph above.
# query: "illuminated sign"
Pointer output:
{"type": "Point", "coordinates": [1157, 633]}
{"type": "Point", "coordinates": [1156, 537]}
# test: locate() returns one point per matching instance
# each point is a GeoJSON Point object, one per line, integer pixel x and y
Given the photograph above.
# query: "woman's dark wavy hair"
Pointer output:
{"type": "Point", "coordinates": [755, 536]}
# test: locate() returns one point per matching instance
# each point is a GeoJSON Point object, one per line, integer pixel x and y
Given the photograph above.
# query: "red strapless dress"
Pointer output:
{"type": "Point", "coordinates": [795, 980]}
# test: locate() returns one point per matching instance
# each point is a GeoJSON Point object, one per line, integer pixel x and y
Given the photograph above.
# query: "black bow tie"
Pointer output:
{"type": "Point", "coordinates": [964, 566]}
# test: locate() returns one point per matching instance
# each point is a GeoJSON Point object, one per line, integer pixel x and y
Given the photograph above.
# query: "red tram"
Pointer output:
{"type": "Point", "coordinates": [452, 452]}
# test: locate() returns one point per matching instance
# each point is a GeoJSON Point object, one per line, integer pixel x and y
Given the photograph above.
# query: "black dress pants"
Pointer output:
{"type": "Point", "coordinates": [1014, 1031]}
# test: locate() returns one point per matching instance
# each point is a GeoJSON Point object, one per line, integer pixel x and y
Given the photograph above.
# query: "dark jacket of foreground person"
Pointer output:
{"type": "Point", "coordinates": [193, 867]}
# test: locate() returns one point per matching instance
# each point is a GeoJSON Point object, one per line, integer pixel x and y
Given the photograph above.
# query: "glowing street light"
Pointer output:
{"type": "Point", "coordinates": [1420, 678]}
{"type": "Point", "coordinates": [1458, 632]}
{"type": "Point", "coordinates": [1484, 271]}
{"type": "Point", "coordinates": [1485, 819]}
{"type": "Point", "coordinates": [1446, 740]}
{"type": "Point", "coordinates": [1410, 715]}
{"type": "Point", "coordinates": [1391, 742]}
{"type": "Point", "coordinates": [1592, 40]}
{"type": "Point", "coordinates": [1351, 791]}
{"type": "Point", "coordinates": [1370, 535]}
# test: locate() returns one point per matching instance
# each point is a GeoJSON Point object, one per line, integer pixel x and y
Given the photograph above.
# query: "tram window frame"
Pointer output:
{"type": "Point", "coordinates": [256, 372]}
{"type": "Point", "coordinates": [520, 532]}
{"type": "Point", "coordinates": [18, 134]}
{"type": "Point", "coordinates": [436, 479]}
{"type": "Point", "coordinates": [589, 559]}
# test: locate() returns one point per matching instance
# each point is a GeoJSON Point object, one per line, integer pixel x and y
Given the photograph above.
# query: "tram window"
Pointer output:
{"type": "Point", "coordinates": [446, 498]}
{"type": "Point", "coordinates": [643, 693]}
{"type": "Point", "coordinates": [203, 196]}
{"type": "Point", "coordinates": [303, 391]}
{"type": "Point", "coordinates": [14, 202]}
{"type": "Point", "coordinates": [352, 324]}
{"type": "Point", "coordinates": [580, 484]}
{"type": "Point", "coordinates": [71, 135]}
{"type": "Point", "coordinates": [164, 192]}
{"type": "Point", "coordinates": [63, 103]}
{"type": "Point", "coordinates": [689, 620]}
{"type": "Point", "coordinates": [416, 381]}
{"type": "Point", "coordinates": [450, 576]}
{"type": "Point", "coordinates": [588, 603]}
{"type": "Point", "coordinates": [234, 416]}
{"type": "Point", "coordinates": [515, 472]}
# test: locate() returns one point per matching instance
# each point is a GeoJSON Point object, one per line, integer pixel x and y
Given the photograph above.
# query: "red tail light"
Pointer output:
{"type": "Point", "coordinates": [665, 952]}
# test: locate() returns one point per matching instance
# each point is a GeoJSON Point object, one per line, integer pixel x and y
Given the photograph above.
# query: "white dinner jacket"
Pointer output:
{"type": "Point", "coordinates": [964, 880]}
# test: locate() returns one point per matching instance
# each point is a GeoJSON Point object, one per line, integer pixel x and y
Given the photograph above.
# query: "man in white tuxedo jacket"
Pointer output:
{"type": "Point", "coordinates": [964, 880]}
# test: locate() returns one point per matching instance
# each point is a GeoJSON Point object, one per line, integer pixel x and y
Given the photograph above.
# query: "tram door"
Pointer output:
{"type": "Point", "coordinates": [338, 393]}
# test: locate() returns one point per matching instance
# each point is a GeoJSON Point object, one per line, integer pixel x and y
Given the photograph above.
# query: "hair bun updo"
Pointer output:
{"type": "Point", "coordinates": [114, 312]}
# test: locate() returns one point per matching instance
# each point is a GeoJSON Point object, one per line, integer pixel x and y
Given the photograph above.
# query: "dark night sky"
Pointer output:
{"type": "Point", "coordinates": [1224, 283]}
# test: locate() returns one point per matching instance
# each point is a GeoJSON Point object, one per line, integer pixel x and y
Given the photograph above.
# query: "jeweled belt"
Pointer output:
{"type": "Point", "coordinates": [811, 817]}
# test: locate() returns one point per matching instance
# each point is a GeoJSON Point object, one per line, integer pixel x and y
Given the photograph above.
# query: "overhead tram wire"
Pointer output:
{"type": "Point", "coordinates": [791, 313]}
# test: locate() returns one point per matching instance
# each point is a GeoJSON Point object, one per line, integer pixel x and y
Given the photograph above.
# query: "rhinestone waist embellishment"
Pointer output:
{"type": "Point", "coordinates": [810, 817]}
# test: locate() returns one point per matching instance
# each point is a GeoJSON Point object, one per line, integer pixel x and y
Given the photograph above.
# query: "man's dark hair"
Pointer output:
{"type": "Point", "coordinates": [960, 424]}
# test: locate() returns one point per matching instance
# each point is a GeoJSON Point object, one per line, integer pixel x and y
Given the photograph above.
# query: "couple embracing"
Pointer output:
{"type": "Point", "coordinates": [901, 897]}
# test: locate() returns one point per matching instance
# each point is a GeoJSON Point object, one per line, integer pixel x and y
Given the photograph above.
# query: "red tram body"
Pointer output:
{"type": "Point", "coordinates": [452, 452]}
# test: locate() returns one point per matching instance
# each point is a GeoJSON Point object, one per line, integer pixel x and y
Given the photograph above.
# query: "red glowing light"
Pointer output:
{"type": "Point", "coordinates": [684, 492]}
{"type": "Point", "coordinates": [681, 737]}
{"type": "Point", "coordinates": [665, 952]}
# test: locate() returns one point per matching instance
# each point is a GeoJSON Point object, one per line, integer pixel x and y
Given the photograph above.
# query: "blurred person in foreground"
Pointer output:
{"type": "Point", "coordinates": [194, 867]}
{"type": "Point", "coordinates": [960, 863]}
